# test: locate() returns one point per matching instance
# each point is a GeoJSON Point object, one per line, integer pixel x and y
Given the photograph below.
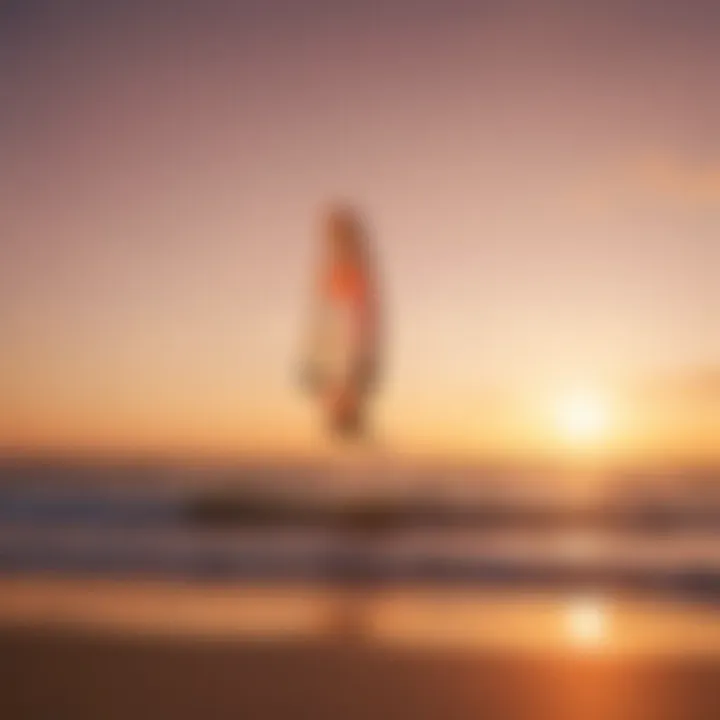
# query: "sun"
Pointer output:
{"type": "Point", "coordinates": [582, 418]}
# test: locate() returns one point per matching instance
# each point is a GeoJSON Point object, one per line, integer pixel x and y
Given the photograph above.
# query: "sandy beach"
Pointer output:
{"type": "Point", "coordinates": [99, 649]}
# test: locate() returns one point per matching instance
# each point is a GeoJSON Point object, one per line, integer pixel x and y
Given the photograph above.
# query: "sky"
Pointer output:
{"type": "Point", "coordinates": [541, 180]}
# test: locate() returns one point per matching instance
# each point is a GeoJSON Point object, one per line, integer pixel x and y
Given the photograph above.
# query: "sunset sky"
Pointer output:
{"type": "Point", "coordinates": [542, 180]}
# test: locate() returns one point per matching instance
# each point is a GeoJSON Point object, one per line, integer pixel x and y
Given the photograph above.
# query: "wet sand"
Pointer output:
{"type": "Point", "coordinates": [104, 651]}
{"type": "Point", "coordinates": [57, 675]}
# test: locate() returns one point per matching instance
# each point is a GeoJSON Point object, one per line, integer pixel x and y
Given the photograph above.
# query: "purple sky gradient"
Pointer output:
{"type": "Point", "coordinates": [542, 179]}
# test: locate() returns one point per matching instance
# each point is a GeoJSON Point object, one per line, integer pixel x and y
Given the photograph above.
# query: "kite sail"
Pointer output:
{"type": "Point", "coordinates": [340, 366]}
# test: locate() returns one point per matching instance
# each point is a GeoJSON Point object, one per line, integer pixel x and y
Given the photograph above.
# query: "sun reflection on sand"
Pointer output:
{"type": "Point", "coordinates": [586, 622]}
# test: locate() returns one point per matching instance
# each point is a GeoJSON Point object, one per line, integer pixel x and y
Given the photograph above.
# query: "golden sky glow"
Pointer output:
{"type": "Point", "coordinates": [583, 418]}
{"type": "Point", "coordinates": [546, 214]}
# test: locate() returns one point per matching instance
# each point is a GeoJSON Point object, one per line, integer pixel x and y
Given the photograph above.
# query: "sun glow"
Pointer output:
{"type": "Point", "coordinates": [582, 418]}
